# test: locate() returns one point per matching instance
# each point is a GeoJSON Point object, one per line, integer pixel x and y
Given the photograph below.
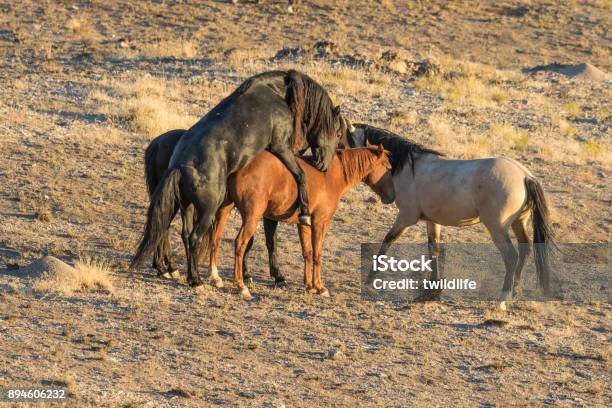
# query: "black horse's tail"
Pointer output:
{"type": "Point", "coordinates": [163, 206]}
{"type": "Point", "coordinates": [149, 159]}
{"type": "Point", "coordinates": [542, 231]}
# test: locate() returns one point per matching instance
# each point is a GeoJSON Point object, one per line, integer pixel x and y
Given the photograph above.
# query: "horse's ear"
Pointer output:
{"type": "Point", "coordinates": [336, 110]}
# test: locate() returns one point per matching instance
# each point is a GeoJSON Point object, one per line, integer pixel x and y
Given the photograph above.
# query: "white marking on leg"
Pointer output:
{"type": "Point", "coordinates": [245, 293]}
{"type": "Point", "coordinates": [214, 277]}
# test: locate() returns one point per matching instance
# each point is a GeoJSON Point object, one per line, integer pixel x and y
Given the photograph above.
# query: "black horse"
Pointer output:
{"type": "Point", "coordinates": [157, 159]}
{"type": "Point", "coordinates": [282, 111]}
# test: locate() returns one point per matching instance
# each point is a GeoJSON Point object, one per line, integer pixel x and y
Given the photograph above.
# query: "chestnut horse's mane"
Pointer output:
{"type": "Point", "coordinates": [356, 163]}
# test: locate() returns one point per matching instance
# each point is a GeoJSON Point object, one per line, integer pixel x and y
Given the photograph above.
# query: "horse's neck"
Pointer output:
{"type": "Point", "coordinates": [347, 179]}
{"type": "Point", "coordinates": [420, 160]}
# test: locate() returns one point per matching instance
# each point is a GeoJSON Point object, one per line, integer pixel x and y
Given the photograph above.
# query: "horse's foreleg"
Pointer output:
{"type": "Point", "coordinates": [288, 158]}
{"type": "Point", "coordinates": [318, 234]}
{"type": "Point", "coordinates": [524, 244]}
{"type": "Point", "coordinates": [270, 230]}
{"type": "Point", "coordinates": [306, 242]}
{"type": "Point", "coordinates": [399, 226]}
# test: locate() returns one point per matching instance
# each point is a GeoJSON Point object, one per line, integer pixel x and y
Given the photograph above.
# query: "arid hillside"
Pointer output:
{"type": "Point", "coordinates": [87, 84]}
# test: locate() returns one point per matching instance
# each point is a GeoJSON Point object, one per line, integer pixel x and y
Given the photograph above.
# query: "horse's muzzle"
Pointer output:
{"type": "Point", "coordinates": [387, 199]}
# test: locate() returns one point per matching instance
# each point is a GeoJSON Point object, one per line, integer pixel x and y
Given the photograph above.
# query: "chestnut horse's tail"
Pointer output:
{"type": "Point", "coordinates": [164, 202]}
{"type": "Point", "coordinates": [542, 231]}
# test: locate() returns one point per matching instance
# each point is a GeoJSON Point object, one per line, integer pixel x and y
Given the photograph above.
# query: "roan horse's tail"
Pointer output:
{"type": "Point", "coordinates": [162, 209]}
{"type": "Point", "coordinates": [542, 231]}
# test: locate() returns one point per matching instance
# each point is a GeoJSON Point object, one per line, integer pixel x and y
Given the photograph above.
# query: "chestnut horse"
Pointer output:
{"type": "Point", "coordinates": [265, 188]}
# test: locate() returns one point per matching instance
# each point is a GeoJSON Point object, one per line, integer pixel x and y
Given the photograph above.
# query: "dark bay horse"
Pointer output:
{"type": "Point", "coordinates": [264, 188]}
{"type": "Point", "coordinates": [285, 112]}
{"type": "Point", "coordinates": [157, 159]}
{"type": "Point", "coordinates": [499, 192]}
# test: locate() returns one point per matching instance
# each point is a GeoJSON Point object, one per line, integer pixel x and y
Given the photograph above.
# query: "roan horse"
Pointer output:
{"type": "Point", "coordinates": [284, 112]}
{"type": "Point", "coordinates": [265, 188]}
{"type": "Point", "coordinates": [157, 158]}
{"type": "Point", "coordinates": [499, 192]}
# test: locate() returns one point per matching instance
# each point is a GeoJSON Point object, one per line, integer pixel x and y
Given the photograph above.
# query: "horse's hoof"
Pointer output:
{"type": "Point", "coordinates": [324, 293]}
{"type": "Point", "coordinates": [194, 283]}
{"type": "Point", "coordinates": [304, 219]}
{"type": "Point", "coordinates": [175, 274]}
{"type": "Point", "coordinates": [166, 275]}
{"type": "Point", "coordinates": [245, 293]}
{"type": "Point", "coordinates": [280, 283]}
{"type": "Point", "coordinates": [429, 296]}
{"type": "Point", "coordinates": [217, 283]}
{"type": "Point", "coordinates": [502, 306]}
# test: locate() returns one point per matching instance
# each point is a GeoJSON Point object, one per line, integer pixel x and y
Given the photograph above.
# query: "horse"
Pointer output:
{"type": "Point", "coordinates": [157, 158]}
{"type": "Point", "coordinates": [285, 112]}
{"type": "Point", "coordinates": [264, 188]}
{"type": "Point", "coordinates": [499, 192]}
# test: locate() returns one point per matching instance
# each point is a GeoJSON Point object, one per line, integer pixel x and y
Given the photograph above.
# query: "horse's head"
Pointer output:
{"type": "Point", "coordinates": [355, 136]}
{"type": "Point", "coordinates": [380, 178]}
{"type": "Point", "coordinates": [324, 146]}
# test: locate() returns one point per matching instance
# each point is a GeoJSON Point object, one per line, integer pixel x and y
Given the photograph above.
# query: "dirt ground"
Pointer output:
{"type": "Point", "coordinates": [86, 85]}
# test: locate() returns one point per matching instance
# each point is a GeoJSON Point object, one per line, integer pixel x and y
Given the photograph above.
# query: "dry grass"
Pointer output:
{"type": "Point", "coordinates": [145, 103]}
{"type": "Point", "coordinates": [462, 83]}
{"type": "Point", "coordinates": [82, 28]}
{"type": "Point", "coordinates": [399, 118]}
{"type": "Point", "coordinates": [86, 276]}
{"type": "Point", "coordinates": [169, 48]}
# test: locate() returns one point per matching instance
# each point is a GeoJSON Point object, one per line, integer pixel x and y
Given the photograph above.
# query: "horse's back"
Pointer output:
{"type": "Point", "coordinates": [461, 192]}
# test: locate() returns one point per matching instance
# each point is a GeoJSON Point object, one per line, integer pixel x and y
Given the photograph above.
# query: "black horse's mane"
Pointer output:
{"type": "Point", "coordinates": [312, 108]}
{"type": "Point", "coordinates": [401, 149]}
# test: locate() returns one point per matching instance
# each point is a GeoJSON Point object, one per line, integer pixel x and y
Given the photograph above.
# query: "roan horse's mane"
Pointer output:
{"type": "Point", "coordinates": [359, 165]}
{"type": "Point", "coordinates": [401, 150]}
{"type": "Point", "coordinates": [312, 108]}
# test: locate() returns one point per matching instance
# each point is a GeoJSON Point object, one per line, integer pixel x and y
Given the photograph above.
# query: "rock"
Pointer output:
{"type": "Point", "coordinates": [583, 71]}
{"type": "Point", "coordinates": [46, 265]}
{"type": "Point", "coordinates": [335, 354]}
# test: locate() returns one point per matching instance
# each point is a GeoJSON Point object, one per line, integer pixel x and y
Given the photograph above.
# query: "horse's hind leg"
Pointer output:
{"type": "Point", "coordinates": [519, 227]}
{"type": "Point", "coordinates": [222, 216]}
{"type": "Point", "coordinates": [247, 230]}
{"type": "Point", "coordinates": [200, 232]}
{"type": "Point", "coordinates": [436, 253]}
{"type": "Point", "coordinates": [187, 215]}
{"type": "Point", "coordinates": [158, 261]}
{"type": "Point", "coordinates": [502, 241]}
{"type": "Point", "coordinates": [270, 230]}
